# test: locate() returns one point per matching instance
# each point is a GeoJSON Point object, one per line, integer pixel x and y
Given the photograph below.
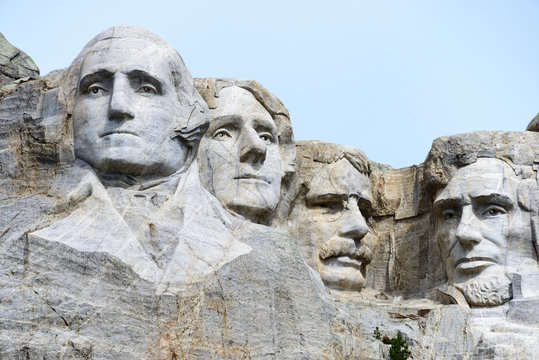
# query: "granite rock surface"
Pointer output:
{"type": "Point", "coordinates": [231, 240]}
{"type": "Point", "coordinates": [15, 64]}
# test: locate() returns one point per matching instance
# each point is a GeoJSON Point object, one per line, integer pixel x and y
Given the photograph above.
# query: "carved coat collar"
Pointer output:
{"type": "Point", "coordinates": [166, 237]}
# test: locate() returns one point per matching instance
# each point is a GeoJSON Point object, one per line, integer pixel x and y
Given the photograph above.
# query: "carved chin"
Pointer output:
{"type": "Point", "coordinates": [249, 205]}
{"type": "Point", "coordinates": [249, 209]}
{"type": "Point", "coordinates": [343, 278]}
{"type": "Point", "coordinates": [487, 291]}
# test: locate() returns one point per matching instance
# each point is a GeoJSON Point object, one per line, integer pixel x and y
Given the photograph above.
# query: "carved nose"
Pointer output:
{"type": "Point", "coordinates": [121, 107]}
{"type": "Point", "coordinates": [353, 224]}
{"type": "Point", "coordinates": [467, 233]}
{"type": "Point", "coordinates": [253, 149]}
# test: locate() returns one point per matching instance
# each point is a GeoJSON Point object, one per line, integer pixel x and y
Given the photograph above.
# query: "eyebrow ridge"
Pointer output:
{"type": "Point", "coordinates": [439, 204]}
{"type": "Point", "coordinates": [262, 123]}
{"type": "Point", "coordinates": [312, 196]}
{"type": "Point", "coordinates": [147, 77]}
{"type": "Point", "coordinates": [98, 75]}
{"type": "Point", "coordinates": [496, 198]}
{"type": "Point", "coordinates": [220, 120]}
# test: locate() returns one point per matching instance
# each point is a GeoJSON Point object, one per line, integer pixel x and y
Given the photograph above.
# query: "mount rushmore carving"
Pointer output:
{"type": "Point", "coordinates": [149, 215]}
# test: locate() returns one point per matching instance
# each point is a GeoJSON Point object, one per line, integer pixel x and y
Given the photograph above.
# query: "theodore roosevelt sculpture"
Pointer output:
{"type": "Point", "coordinates": [136, 126]}
{"type": "Point", "coordinates": [246, 156]}
{"type": "Point", "coordinates": [330, 212]}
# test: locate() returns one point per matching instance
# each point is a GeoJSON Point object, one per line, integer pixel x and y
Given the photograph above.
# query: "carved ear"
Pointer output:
{"type": "Point", "coordinates": [528, 194]}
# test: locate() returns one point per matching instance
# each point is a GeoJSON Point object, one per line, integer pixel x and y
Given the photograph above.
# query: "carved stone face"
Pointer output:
{"type": "Point", "coordinates": [477, 217]}
{"type": "Point", "coordinates": [329, 224]}
{"type": "Point", "coordinates": [239, 157]}
{"type": "Point", "coordinates": [124, 110]}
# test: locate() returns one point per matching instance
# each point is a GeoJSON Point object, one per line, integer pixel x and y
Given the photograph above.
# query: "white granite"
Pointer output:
{"type": "Point", "coordinates": [145, 214]}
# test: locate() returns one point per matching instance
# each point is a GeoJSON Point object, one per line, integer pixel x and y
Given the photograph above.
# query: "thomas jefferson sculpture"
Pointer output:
{"type": "Point", "coordinates": [246, 157]}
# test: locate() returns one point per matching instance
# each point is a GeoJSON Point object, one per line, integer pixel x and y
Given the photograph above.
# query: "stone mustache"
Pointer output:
{"type": "Point", "coordinates": [147, 214]}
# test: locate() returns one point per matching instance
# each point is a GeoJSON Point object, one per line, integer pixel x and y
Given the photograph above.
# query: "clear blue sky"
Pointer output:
{"type": "Point", "coordinates": [384, 76]}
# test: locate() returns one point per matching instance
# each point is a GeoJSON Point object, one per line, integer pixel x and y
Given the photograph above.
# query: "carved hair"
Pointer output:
{"type": "Point", "coordinates": [193, 117]}
{"type": "Point", "coordinates": [520, 150]}
{"type": "Point", "coordinates": [311, 152]}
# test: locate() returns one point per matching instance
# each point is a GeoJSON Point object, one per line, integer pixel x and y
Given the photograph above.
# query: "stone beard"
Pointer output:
{"type": "Point", "coordinates": [328, 218]}
{"type": "Point", "coordinates": [480, 228]}
{"type": "Point", "coordinates": [486, 291]}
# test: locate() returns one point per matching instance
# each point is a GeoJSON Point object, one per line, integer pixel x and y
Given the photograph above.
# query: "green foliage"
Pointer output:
{"type": "Point", "coordinates": [399, 349]}
{"type": "Point", "coordinates": [376, 334]}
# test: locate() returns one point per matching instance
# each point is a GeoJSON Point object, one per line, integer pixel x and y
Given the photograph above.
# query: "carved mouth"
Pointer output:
{"type": "Point", "coordinates": [462, 260]}
{"type": "Point", "coordinates": [107, 133]}
{"type": "Point", "coordinates": [474, 263]}
{"type": "Point", "coordinates": [342, 261]}
{"type": "Point", "coordinates": [253, 177]}
{"type": "Point", "coordinates": [342, 273]}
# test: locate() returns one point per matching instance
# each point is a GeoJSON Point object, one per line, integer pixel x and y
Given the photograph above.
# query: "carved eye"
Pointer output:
{"type": "Point", "coordinates": [331, 206]}
{"type": "Point", "coordinates": [94, 89]}
{"type": "Point", "coordinates": [221, 135]}
{"type": "Point", "coordinates": [147, 89]}
{"type": "Point", "coordinates": [449, 214]}
{"type": "Point", "coordinates": [267, 138]}
{"type": "Point", "coordinates": [494, 211]}
{"type": "Point", "coordinates": [330, 210]}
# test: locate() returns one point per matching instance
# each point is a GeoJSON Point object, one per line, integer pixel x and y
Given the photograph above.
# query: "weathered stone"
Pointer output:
{"type": "Point", "coordinates": [56, 299]}
{"type": "Point", "coordinates": [534, 124]}
{"type": "Point", "coordinates": [14, 63]}
{"type": "Point", "coordinates": [121, 238]}
{"type": "Point", "coordinates": [180, 276]}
